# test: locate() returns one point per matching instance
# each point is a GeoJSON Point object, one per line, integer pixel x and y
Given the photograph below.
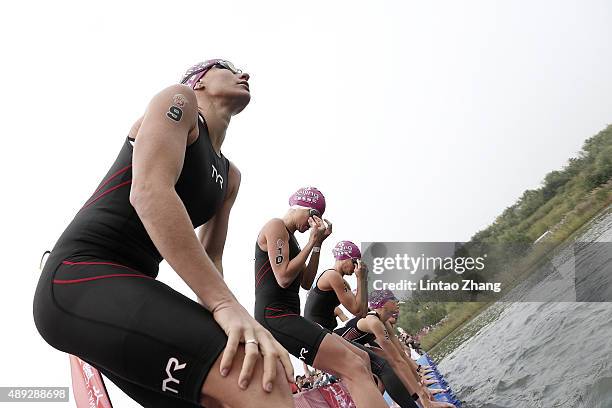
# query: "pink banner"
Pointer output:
{"type": "Point", "coordinates": [87, 385]}
{"type": "Point", "coordinates": [337, 396]}
{"type": "Point", "coordinates": [330, 396]}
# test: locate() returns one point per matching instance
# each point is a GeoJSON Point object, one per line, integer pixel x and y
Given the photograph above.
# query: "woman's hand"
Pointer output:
{"type": "Point", "coordinates": [240, 327]}
{"type": "Point", "coordinates": [427, 403]}
{"type": "Point", "coordinates": [436, 404]}
{"type": "Point", "coordinates": [328, 229]}
{"type": "Point", "coordinates": [317, 230]}
{"type": "Point", "coordinates": [423, 370]}
{"type": "Point", "coordinates": [360, 269]}
{"type": "Point", "coordinates": [435, 391]}
{"type": "Point", "coordinates": [427, 393]}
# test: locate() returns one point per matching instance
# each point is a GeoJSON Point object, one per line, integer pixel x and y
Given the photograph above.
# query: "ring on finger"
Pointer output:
{"type": "Point", "coordinates": [255, 342]}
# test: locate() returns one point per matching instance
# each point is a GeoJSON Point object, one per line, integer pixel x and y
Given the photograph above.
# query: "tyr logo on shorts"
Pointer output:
{"type": "Point", "coordinates": [302, 352]}
{"type": "Point", "coordinates": [174, 365]}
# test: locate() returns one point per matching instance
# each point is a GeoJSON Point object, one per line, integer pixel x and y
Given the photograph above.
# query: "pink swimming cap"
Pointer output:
{"type": "Point", "coordinates": [197, 71]}
{"type": "Point", "coordinates": [378, 298]}
{"type": "Point", "coordinates": [346, 250]}
{"type": "Point", "coordinates": [309, 197]}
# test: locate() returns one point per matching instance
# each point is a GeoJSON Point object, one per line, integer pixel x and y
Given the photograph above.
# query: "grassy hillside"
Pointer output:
{"type": "Point", "coordinates": [566, 200]}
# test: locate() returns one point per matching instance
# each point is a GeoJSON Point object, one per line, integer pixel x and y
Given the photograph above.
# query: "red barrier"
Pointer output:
{"type": "Point", "coordinates": [330, 396]}
{"type": "Point", "coordinates": [337, 396]}
{"type": "Point", "coordinates": [88, 385]}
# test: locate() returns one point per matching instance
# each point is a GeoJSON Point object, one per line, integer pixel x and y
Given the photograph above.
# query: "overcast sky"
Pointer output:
{"type": "Point", "coordinates": [419, 121]}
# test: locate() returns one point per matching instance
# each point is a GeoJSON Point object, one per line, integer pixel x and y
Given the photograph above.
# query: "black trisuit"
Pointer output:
{"type": "Point", "coordinates": [319, 308]}
{"type": "Point", "coordinates": [97, 297]}
{"type": "Point", "coordinates": [278, 309]}
{"type": "Point", "coordinates": [351, 332]}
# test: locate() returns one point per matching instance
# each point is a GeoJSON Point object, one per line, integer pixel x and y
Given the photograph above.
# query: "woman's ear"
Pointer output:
{"type": "Point", "coordinates": [198, 85]}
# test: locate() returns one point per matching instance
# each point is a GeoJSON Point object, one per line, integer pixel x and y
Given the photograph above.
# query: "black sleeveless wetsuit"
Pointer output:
{"type": "Point", "coordinates": [319, 308]}
{"type": "Point", "coordinates": [278, 309]}
{"type": "Point", "coordinates": [380, 366]}
{"type": "Point", "coordinates": [351, 332]}
{"type": "Point", "coordinates": [320, 305]}
{"type": "Point", "coordinates": [98, 298]}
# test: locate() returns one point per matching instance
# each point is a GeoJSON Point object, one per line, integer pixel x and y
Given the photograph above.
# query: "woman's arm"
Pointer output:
{"type": "Point", "coordinates": [276, 241]}
{"type": "Point", "coordinates": [313, 263]}
{"type": "Point", "coordinates": [342, 291]}
{"type": "Point", "coordinates": [354, 303]}
{"type": "Point", "coordinates": [157, 162]}
{"type": "Point", "coordinates": [361, 273]}
{"type": "Point", "coordinates": [401, 350]}
{"type": "Point", "coordinates": [340, 314]}
{"type": "Point", "coordinates": [371, 324]}
{"type": "Point", "coordinates": [311, 268]}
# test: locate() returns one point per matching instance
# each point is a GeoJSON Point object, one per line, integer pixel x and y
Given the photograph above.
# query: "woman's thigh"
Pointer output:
{"type": "Point", "coordinates": [299, 336]}
{"type": "Point", "coordinates": [130, 326]}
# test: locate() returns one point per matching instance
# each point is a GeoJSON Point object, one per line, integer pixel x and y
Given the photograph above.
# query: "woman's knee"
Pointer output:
{"type": "Point", "coordinates": [353, 366]}
{"type": "Point", "coordinates": [379, 383]}
{"type": "Point", "coordinates": [226, 389]}
{"type": "Point", "coordinates": [364, 357]}
{"type": "Point", "coordinates": [357, 350]}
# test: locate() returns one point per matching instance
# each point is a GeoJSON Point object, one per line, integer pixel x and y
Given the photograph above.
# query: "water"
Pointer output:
{"type": "Point", "coordinates": [542, 354]}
